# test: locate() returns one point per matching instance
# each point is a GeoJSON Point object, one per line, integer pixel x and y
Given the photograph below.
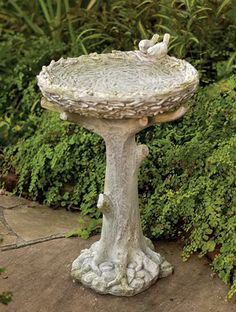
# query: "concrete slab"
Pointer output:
{"type": "Point", "coordinates": [32, 223]}
{"type": "Point", "coordinates": [39, 277]}
{"type": "Point", "coordinates": [9, 201]}
{"type": "Point", "coordinates": [3, 229]}
{"type": "Point", "coordinates": [8, 240]}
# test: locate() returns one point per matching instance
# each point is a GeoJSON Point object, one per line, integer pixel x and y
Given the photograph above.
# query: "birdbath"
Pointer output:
{"type": "Point", "coordinates": [116, 95]}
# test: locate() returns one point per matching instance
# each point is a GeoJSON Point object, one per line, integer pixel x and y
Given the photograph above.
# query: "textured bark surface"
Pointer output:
{"type": "Point", "coordinates": [116, 95]}
{"type": "Point", "coordinates": [122, 262]}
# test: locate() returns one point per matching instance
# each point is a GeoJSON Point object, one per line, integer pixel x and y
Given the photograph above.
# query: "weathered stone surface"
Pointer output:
{"type": "Point", "coordinates": [7, 240]}
{"type": "Point", "coordinates": [116, 95]}
{"type": "Point", "coordinates": [130, 275]}
{"type": "Point", "coordinates": [38, 276]}
{"type": "Point", "coordinates": [119, 85]}
{"type": "Point", "coordinates": [10, 201]}
{"type": "Point", "coordinates": [40, 221]}
{"type": "Point", "coordinates": [106, 266]}
{"type": "Point", "coordinates": [140, 274]}
{"type": "Point", "coordinates": [3, 229]}
{"type": "Point", "coordinates": [109, 276]}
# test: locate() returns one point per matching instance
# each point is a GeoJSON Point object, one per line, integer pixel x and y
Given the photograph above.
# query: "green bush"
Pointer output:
{"type": "Point", "coordinates": [58, 155]}
{"type": "Point", "coordinates": [100, 25]}
{"type": "Point", "coordinates": [187, 184]}
{"type": "Point", "coordinates": [5, 296]}
{"type": "Point", "coordinates": [19, 98]}
{"type": "Point", "coordinates": [192, 171]}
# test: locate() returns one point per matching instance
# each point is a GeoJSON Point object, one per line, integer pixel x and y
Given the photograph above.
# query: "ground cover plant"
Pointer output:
{"type": "Point", "coordinates": [187, 184]}
{"type": "Point", "coordinates": [5, 296]}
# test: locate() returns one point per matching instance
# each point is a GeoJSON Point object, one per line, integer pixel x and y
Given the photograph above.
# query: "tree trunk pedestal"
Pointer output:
{"type": "Point", "coordinates": [123, 262]}
{"type": "Point", "coordinates": [116, 95]}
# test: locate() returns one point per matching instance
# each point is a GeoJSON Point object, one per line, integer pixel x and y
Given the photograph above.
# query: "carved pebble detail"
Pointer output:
{"type": "Point", "coordinates": [136, 277]}
{"type": "Point", "coordinates": [109, 276]}
{"type": "Point", "coordinates": [85, 251]}
{"type": "Point", "coordinates": [130, 275]}
{"type": "Point", "coordinates": [147, 278]}
{"type": "Point", "coordinates": [137, 283]}
{"type": "Point", "coordinates": [141, 274]}
{"type": "Point", "coordinates": [117, 289]}
{"type": "Point", "coordinates": [106, 266]}
{"type": "Point", "coordinates": [85, 267]}
{"type": "Point", "coordinates": [89, 277]}
{"type": "Point", "coordinates": [132, 265]}
{"type": "Point", "coordinates": [99, 284]}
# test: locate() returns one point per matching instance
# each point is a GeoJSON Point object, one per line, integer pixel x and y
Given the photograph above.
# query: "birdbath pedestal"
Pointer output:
{"type": "Point", "coordinates": [117, 95]}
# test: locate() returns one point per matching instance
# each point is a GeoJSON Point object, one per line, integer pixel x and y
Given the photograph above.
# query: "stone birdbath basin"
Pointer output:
{"type": "Point", "coordinates": [117, 95]}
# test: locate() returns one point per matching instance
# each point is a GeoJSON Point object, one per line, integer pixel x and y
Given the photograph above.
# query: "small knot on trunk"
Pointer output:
{"type": "Point", "coordinates": [104, 204]}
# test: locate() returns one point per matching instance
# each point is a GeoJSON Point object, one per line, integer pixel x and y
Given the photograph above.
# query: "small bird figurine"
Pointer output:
{"type": "Point", "coordinates": [144, 45]}
{"type": "Point", "coordinates": [160, 49]}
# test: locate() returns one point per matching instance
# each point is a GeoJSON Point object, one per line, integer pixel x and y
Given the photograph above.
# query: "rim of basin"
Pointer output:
{"type": "Point", "coordinates": [118, 85]}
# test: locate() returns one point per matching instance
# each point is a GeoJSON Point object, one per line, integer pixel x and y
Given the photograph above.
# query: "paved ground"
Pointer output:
{"type": "Point", "coordinates": [38, 272]}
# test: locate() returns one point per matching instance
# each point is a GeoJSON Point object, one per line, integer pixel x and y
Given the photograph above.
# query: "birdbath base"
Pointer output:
{"type": "Point", "coordinates": [123, 262]}
{"type": "Point", "coordinates": [116, 95]}
{"type": "Point", "coordinates": [128, 279]}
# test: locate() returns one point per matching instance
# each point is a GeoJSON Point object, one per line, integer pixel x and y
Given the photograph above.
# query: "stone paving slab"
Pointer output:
{"type": "Point", "coordinates": [39, 277]}
{"type": "Point", "coordinates": [32, 223]}
{"type": "Point", "coordinates": [9, 201]}
{"type": "Point", "coordinates": [7, 237]}
{"type": "Point", "coordinates": [3, 229]}
{"type": "Point", "coordinates": [24, 222]}
{"type": "Point", "coordinates": [8, 240]}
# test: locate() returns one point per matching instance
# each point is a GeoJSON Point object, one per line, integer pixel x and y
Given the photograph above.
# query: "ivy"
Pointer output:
{"type": "Point", "coordinates": [5, 296]}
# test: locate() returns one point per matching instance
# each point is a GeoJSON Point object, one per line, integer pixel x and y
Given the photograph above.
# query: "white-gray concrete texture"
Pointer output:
{"type": "Point", "coordinates": [116, 95]}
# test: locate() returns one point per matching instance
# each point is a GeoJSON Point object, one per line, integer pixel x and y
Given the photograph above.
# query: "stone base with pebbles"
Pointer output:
{"type": "Point", "coordinates": [120, 279]}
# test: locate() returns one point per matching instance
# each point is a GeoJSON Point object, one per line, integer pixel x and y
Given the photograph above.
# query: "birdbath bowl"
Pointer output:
{"type": "Point", "coordinates": [116, 95]}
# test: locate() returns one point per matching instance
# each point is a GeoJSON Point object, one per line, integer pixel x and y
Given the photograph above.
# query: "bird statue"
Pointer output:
{"type": "Point", "coordinates": [160, 49]}
{"type": "Point", "coordinates": [153, 47]}
{"type": "Point", "coordinates": [145, 44]}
